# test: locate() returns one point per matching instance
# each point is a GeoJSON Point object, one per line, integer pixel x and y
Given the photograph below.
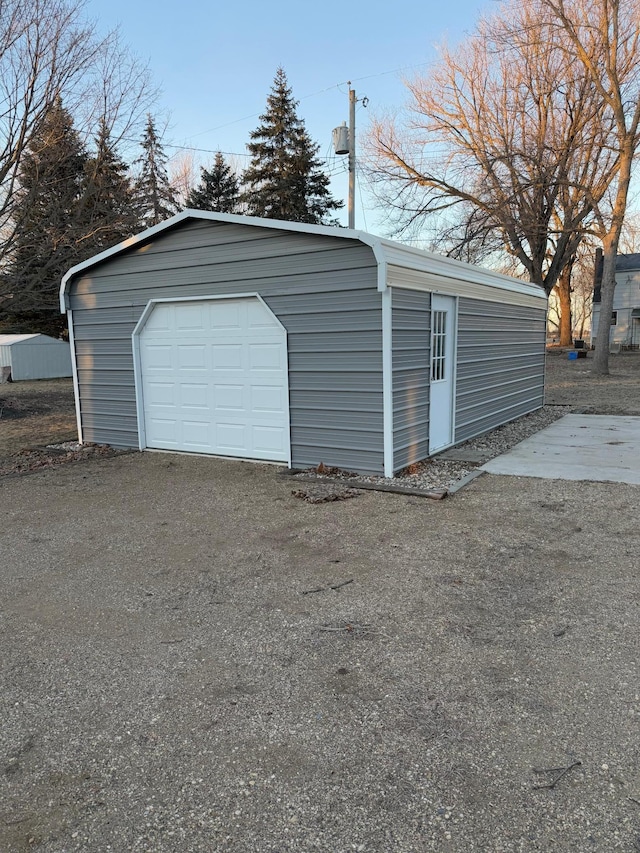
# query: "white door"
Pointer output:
{"type": "Point", "coordinates": [214, 379]}
{"type": "Point", "coordinates": [443, 333]}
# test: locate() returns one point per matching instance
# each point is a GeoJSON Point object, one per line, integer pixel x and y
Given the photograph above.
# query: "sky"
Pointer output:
{"type": "Point", "coordinates": [214, 63]}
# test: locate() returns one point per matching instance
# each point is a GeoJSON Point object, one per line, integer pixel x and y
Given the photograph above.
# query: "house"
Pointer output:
{"type": "Point", "coordinates": [625, 319]}
{"type": "Point", "coordinates": [299, 344]}
{"type": "Point", "coordinates": [34, 357]}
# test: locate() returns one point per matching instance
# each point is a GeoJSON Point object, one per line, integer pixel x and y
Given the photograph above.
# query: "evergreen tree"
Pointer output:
{"type": "Point", "coordinates": [218, 189]}
{"type": "Point", "coordinates": [284, 179]}
{"type": "Point", "coordinates": [107, 211]}
{"type": "Point", "coordinates": [48, 234]}
{"type": "Point", "coordinates": [154, 196]}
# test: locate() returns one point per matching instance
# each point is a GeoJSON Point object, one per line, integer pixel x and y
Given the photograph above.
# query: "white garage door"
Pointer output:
{"type": "Point", "coordinates": [214, 379]}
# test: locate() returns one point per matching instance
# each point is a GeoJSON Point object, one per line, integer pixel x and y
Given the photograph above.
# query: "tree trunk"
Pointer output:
{"type": "Point", "coordinates": [610, 244]}
{"type": "Point", "coordinates": [607, 288]}
{"type": "Point", "coordinates": [563, 289]}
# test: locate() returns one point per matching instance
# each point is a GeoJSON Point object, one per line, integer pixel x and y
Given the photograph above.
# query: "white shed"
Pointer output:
{"type": "Point", "coordinates": [35, 357]}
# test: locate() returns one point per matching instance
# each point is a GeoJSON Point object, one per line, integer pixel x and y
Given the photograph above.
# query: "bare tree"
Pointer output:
{"type": "Point", "coordinates": [48, 50]}
{"type": "Point", "coordinates": [505, 127]}
{"type": "Point", "coordinates": [604, 37]}
{"type": "Point", "coordinates": [182, 175]}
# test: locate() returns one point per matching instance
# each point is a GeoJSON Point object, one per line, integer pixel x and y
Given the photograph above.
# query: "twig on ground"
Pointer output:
{"type": "Point", "coordinates": [633, 800]}
{"type": "Point", "coordinates": [348, 628]}
{"type": "Point", "coordinates": [340, 585]}
{"type": "Point", "coordinates": [562, 771]}
{"type": "Point", "coordinates": [325, 588]}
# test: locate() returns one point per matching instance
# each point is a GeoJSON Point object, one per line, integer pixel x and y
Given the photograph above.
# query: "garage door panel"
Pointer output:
{"type": "Point", "coordinates": [258, 318]}
{"type": "Point", "coordinates": [215, 379]}
{"type": "Point", "coordinates": [159, 357]}
{"type": "Point", "coordinates": [229, 398]}
{"type": "Point", "coordinates": [191, 357]}
{"type": "Point", "coordinates": [189, 319]}
{"type": "Point", "coordinates": [267, 398]}
{"type": "Point", "coordinates": [194, 396]}
{"type": "Point", "coordinates": [161, 394]}
{"type": "Point", "coordinates": [196, 433]}
{"type": "Point", "coordinates": [227, 357]}
{"type": "Point", "coordinates": [224, 316]}
{"type": "Point", "coordinates": [163, 430]}
{"type": "Point", "coordinates": [231, 437]}
{"type": "Point", "coordinates": [161, 320]}
{"type": "Point", "coordinates": [265, 357]}
{"type": "Point", "coordinates": [268, 439]}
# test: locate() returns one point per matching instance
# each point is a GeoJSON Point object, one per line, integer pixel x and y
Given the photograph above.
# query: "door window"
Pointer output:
{"type": "Point", "coordinates": [438, 349]}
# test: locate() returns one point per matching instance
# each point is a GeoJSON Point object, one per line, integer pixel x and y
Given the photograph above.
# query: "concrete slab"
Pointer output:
{"type": "Point", "coordinates": [577, 447]}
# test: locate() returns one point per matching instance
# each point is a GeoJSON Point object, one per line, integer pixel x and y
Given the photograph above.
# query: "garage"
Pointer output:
{"type": "Point", "coordinates": [297, 344]}
{"type": "Point", "coordinates": [34, 356]}
{"type": "Point", "coordinates": [212, 378]}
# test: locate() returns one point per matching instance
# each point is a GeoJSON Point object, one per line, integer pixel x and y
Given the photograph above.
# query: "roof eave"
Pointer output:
{"type": "Point", "coordinates": [383, 250]}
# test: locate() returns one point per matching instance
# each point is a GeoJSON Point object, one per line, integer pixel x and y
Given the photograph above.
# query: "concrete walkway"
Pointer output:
{"type": "Point", "coordinates": [577, 447]}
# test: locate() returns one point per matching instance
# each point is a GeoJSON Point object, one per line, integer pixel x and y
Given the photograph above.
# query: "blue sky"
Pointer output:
{"type": "Point", "coordinates": [215, 63]}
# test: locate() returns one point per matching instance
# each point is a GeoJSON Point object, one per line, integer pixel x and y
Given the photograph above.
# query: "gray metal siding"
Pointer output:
{"type": "Point", "coordinates": [500, 365]}
{"type": "Point", "coordinates": [411, 337]}
{"type": "Point", "coordinates": [322, 289]}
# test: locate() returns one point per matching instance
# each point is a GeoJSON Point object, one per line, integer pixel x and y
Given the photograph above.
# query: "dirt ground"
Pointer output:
{"type": "Point", "coordinates": [571, 383]}
{"type": "Point", "coordinates": [35, 413]}
{"type": "Point", "coordinates": [193, 659]}
{"type": "Point", "coordinates": [34, 416]}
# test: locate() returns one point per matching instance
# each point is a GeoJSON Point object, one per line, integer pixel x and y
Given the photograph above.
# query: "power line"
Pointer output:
{"type": "Point", "coordinates": [312, 95]}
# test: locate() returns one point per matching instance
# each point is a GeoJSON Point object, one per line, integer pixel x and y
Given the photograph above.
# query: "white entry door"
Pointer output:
{"type": "Point", "coordinates": [441, 408]}
{"type": "Point", "coordinates": [214, 379]}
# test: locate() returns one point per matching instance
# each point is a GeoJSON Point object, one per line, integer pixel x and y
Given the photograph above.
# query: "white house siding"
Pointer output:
{"type": "Point", "coordinates": [626, 304]}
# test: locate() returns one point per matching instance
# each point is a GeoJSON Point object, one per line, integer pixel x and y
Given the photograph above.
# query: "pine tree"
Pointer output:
{"type": "Point", "coordinates": [218, 189]}
{"type": "Point", "coordinates": [284, 179]}
{"type": "Point", "coordinates": [47, 231]}
{"type": "Point", "coordinates": [107, 209]}
{"type": "Point", "coordinates": [154, 196]}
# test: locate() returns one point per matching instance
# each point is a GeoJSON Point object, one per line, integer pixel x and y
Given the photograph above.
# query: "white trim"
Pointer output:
{"type": "Point", "coordinates": [488, 287]}
{"type": "Point", "coordinates": [454, 370]}
{"type": "Point", "coordinates": [217, 456]}
{"type": "Point", "coordinates": [137, 367]}
{"type": "Point", "coordinates": [454, 390]}
{"type": "Point", "coordinates": [387, 381]}
{"type": "Point", "coordinates": [386, 252]}
{"type": "Point", "coordinates": [74, 373]}
{"type": "Point", "coordinates": [152, 302]}
{"type": "Point", "coordinates": [137, 379]}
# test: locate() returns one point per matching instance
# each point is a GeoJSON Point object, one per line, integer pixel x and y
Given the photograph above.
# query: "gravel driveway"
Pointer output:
{"type": "Point", "coordinates": [177, 673]}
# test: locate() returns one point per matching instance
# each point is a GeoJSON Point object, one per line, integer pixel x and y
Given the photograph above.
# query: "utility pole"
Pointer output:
{"type": "Point", "coordinates": [344, 142]}
{"type": "Point", "coordinates": [352, 158]}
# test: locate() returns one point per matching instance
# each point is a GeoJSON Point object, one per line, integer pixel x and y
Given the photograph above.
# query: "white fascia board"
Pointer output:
{"type": "Point", "coordinates": [482, 287]}
{"type": "Point", "coordinates": [417, 260]}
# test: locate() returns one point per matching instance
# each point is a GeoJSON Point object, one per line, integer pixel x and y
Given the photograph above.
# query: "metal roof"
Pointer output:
{"type": "Point", "coordinates": [386, 252]}
{"type": "Point", "coordinates": [7, 340]}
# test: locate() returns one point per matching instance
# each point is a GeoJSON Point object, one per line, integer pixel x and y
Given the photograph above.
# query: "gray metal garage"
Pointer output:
{"type": "Point", "coordinates": [259, 339]}
{"type": "Point", "coordinates": [34, 357]}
